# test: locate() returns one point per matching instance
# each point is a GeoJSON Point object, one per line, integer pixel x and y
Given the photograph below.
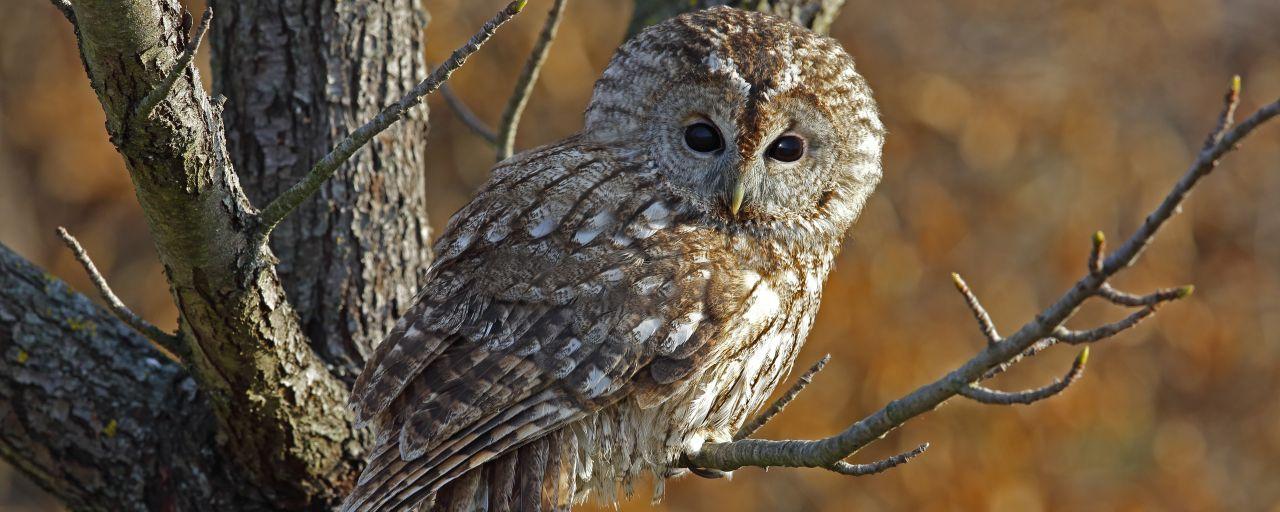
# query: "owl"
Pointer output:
{"type": "Point", "coordinates": [609, 302]}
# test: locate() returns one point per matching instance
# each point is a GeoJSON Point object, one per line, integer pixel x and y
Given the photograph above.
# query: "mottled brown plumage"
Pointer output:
{"type": "Point", "coordinates": [602, 305]}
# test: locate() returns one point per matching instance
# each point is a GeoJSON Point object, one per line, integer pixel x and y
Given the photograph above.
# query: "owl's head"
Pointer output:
{"type": "Point", "coordinates": [751, 117]}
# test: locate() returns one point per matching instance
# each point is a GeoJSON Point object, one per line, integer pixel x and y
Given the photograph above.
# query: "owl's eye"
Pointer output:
{"type": "Point", "coordinates": [702, 137]}
{"type": "Point", "coordinates": [788, 148]}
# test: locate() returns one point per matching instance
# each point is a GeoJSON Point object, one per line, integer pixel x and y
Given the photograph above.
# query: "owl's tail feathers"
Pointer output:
{"type": "Point", "coordinates": [540, 475]}
{"type": "Point", "coordinates": [505, 464]}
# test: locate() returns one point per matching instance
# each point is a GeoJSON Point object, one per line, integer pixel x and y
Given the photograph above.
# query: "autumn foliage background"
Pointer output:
{"type": "Point", "coordinates": [1016, 129]}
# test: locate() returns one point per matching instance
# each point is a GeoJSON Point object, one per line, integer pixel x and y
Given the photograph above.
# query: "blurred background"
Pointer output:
{"type": "Point", "coordinates": [1016, 129]}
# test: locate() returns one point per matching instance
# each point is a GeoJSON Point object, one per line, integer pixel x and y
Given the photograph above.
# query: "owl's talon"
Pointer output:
{"type": "Point", "coordinates": [708, 473]}
{"type": "Point", "coordinates": [711, 473]}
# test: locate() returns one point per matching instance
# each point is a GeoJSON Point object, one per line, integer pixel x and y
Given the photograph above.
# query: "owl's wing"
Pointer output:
{"type": "Point", "coordinates": [567, 283]}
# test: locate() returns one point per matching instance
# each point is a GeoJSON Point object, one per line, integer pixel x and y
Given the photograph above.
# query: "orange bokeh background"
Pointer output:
{"type": "Point", "coordinates": [1016, 129]}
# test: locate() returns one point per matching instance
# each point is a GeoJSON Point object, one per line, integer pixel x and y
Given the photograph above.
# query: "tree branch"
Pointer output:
{"type": "Point", "coordinates": [846, 468]}
{"type": "Point", "coordinates": [466, 115]}
{"type": "Point", "coordinates": [782, 401]}
{"type": "Point", "coordinates": [823, 453]}
{"type": "Point", "coordinates": [985, 324]}
{"type": "Point", "coordinates": [95, 414]}
{"type": "Point", "coordinates": [322, 170]}
{"type": "Point", "coordinates": [993, 397]}
{"type": "Point", "coordinates": [279, 413]}
{"type": "Point", "coordinates": [154, 98]}
{"type": "Point", "coordinates": [506, 137]}
{"type": "Point", "coordinates": [170, 342]}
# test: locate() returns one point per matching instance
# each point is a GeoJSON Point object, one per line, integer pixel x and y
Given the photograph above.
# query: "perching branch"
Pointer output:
{"type": "Point", "coordinates": [322, 170]}
{"type": "Point", "coordinates": [781, 403]}
{"type": "Point", "coordinates": [157, 95]}
{"type": "Point", "coordinates": [506, 137]}
{"type": "Point", "coordinates": [1037, 334]}
{"type": "Point", "coordinates": [170, 342]}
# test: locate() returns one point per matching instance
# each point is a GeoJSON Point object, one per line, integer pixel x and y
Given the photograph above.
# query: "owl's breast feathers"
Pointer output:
{"type": "Point", "coordinates": [570, 282]}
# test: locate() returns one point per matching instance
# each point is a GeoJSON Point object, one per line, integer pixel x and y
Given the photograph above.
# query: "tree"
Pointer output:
{"type": "Point", "coordinates": [244, 408]}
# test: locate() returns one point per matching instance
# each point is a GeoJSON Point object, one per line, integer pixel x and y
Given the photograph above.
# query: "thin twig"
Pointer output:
{"type": "Point", "coordinates": [64, 7]}
{"type": "Point", "coordinates": [879, 466]}
{"type": "Point", "coordinates": [1035, 348]}
{"type": "Point", "coordinates": [170, 342]}
{"type": "Point", "coordinates": [466, 115]}
{"type": "Point", "coordinates": [985, 324]}
{"type": "Point", "coordinates": [324, 169]}
{"type": "Point", "coordinates": [506, 137]}
{"type": "Point", "coordinates": [994, 397]}
{"type": "Point", "coordinates": [1228, 115]}
{"type": "Point", "coordinates": [149, 102]}
{"type": "Point", "coordinates": [1120, 298]}
{"type": "Point", "coordinates": [781, 403]}
{"type": "Point", "coordinates": [825, 452]}
{"type": "Point", "coordinates": [1102, 332]}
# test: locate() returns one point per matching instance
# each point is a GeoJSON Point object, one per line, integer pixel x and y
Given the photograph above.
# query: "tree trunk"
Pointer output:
{"type": "Point", "coordinates": [298, 75]}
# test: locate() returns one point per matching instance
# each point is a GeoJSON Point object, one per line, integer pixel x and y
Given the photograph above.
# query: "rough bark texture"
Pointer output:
{"type": "Point", "coordinates": [299, 75]}
{"type": "Point", "coordinates": [280, 411]}
{"type": "Point", "coordinates": [93, 413]}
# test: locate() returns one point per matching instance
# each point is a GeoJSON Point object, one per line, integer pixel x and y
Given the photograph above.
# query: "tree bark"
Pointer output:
{"type": "Point", "coordinates": [97, 416]}
{"type": "Point", "coordinates": [299, 75]}
{"type": "Point", "coordinates": [281, 413]}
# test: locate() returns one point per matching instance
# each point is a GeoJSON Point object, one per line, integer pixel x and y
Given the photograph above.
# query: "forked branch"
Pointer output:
{"type": "Point", "coordinates": [1042, 332]}
{"type": "Point", "coordinates": [328, 165]}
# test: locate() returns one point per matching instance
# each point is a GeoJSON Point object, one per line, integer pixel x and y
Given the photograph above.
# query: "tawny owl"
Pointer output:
{"type": "Point", "coordinates": [618, 298]}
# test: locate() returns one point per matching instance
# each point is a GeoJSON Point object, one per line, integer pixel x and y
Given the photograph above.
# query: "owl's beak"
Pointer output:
{"type": "Point", "coordinates": [737, 181]}
{"type": "Point", "coordinates": [737, 191]}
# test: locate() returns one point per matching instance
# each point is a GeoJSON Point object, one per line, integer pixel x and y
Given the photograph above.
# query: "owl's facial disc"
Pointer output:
{"type": "Point", "coordinates": [754, 120]}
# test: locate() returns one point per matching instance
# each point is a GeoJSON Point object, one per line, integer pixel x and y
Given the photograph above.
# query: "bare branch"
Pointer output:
{"type": "Point", "coordinates": [324, 169]}
{"type": "Point", "coordinates": [1205, 163]}
{"type": "Point", "coordinates": [157, 95]}
{"type": "Point", "coordinates": [506, 138]}
{"type": "Point", "coordinates": [823, 453]}
{"type": "Point", "coordinates": [1102, 332]}
{"type": "Point", "coordinates": [990, 396]}
{"type": "Point", "coordinates": [1228, 116]}
{"type": "Point", "coordinates": [781, 403]}
{"type": "Point", "coordinates": [466, 115]}
{"type": "Point", "coordinates": [879, 466]}
{"type": "Point", "coordinates": [985, 324]}
{"type": "Point", "coordinates": [1120, 298]}
{"type": "Point", "coordinates": [170, 342]}
{"type": "Point", "coordinates": [64, 7]}
{"type": "Point", "coordinates": [1035, 348]}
